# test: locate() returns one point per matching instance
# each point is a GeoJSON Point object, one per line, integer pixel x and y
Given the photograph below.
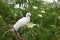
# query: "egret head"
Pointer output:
{"type": "Point", "coordinates": [28, 14]}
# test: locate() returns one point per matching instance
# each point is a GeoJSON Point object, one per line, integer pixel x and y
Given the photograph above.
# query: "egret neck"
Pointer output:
{"type": "Point", "coordinates": [28, 17]}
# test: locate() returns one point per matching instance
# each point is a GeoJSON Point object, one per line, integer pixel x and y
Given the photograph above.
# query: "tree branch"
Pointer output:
{"type": "Point", "coordinates": [17, 34]}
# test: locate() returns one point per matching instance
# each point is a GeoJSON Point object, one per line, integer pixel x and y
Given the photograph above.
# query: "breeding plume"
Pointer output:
{"type": "Point", "coordinates": [20, 23]}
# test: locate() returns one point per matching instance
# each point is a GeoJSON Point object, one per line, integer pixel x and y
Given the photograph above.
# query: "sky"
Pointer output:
{"type": "Point", "coordinates": [50, 0]}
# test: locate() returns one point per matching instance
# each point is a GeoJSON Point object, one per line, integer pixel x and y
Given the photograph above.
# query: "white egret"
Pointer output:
{"type": "Point", "coordinates": [20, 23]}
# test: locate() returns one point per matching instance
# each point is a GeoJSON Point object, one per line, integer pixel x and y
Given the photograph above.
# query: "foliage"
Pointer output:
{"type": "Point", "coordinates": [44, 15]}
